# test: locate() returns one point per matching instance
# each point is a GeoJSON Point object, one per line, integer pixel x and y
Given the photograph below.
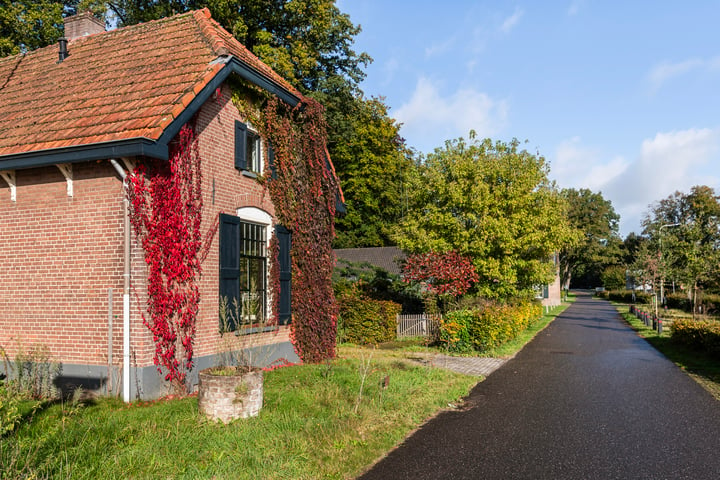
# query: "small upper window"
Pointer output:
{"type": "Point", "coordinates": [248, 148]}
{"type": "Point", "coordinates": [254, 152]}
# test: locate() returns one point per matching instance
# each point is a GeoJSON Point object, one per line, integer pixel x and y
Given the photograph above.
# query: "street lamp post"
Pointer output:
{"type": "Point", "coordinates": [662, 272]}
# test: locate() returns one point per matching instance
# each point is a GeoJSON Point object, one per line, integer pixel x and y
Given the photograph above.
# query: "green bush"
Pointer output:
{"type": "Point", "coordinates": [454, 330]}
{"type": "Point", "coordinates": [366, 321]}
{"type": "Point", "coordinates": [486, 327]}
{"type": "Point", "coordinates": [625, 296]}
{"type": "Point", "coordinates": [697, 334]}
{"type": "Point", "coordinates": [679, 301]}
{"type": "Point", "coordinates": [709, 303]}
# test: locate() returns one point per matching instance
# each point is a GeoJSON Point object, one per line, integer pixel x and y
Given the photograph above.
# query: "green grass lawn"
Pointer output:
{"type": "Point", "coordinates": [704, 368]}
{"type": "Point", "coordinates": [315, 424]}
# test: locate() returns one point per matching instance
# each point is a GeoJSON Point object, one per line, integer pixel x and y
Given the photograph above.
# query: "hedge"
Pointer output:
{"type": "Point", "coordinates": [625, 296]}
{"type": "Point", "coordinates": [710, 303]}
{"type": "Point", "coordinates": [364, 321]}
{"type": "Point", "coordinates": [697, 334]}
{"type": "Point", "coordinates": [486, 327]}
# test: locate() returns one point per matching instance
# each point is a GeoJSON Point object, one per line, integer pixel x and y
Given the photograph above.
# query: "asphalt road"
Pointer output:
{"type": "Point", "coordinates": [586, 399]}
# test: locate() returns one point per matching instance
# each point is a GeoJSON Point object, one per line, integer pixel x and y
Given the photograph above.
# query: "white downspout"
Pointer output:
{"type": "Point", "coordinates": [126, 284]}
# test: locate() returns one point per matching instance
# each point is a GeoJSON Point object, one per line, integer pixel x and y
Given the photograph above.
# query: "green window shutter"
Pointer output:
{"type": "Point", "coordinates": [240, 145]}
{"type": "Point", "coordinates": [229, 265]}
{"type": "Point", "coordinates": [284, 237]}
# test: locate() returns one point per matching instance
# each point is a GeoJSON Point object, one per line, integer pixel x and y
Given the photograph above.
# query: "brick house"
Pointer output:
{"type": "Point", "coordinates": [74, 119]}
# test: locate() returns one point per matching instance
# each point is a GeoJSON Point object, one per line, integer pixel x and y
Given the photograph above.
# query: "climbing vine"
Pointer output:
{"type": "Point", "coordinates": [166, 214]}
{"type": "Point", "coordinates": [304, 190]}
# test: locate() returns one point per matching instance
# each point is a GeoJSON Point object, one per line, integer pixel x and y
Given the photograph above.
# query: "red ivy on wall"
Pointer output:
{"type": "Point", "coordinates": [444, 273]}
{"type": "Point", "coordinates": [166, 214]}
{"type": "Point", "coordinates": [304, 191]}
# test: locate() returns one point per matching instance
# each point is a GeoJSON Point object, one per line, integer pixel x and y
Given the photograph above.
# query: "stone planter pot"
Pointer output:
{"type": "Point", "coordinates": [230, 396]}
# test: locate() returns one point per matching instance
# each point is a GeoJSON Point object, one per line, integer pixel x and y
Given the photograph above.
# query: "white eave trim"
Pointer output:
{"type": "Point", "coordinates": [10, 179]}
{"type": "Point", "coordinates": [66, 170]}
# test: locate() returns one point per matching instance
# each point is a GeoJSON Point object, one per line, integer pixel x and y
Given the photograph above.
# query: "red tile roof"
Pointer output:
{"type": "Point", "coordinates": [124, 84]}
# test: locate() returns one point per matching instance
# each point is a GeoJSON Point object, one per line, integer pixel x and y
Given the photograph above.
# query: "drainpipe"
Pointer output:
{"type": "Point", "coordinates": [126, 284]}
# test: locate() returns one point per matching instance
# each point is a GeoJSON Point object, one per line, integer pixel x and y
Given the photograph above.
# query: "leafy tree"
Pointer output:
{"type": "Point", "coordinates": [444, 276]}
{"type": "Point", "coordinates": [613, 277]}
{"type": "Point", "coordinates": [372, 163]}
{"type": "Point", "coordinates": [492, 202]}
{"type": "Point", "coordinates": [646, 268]}
{"type": "Point", "coordinates": [688, 227]}
{"type": "Point", "coordinates": [595, 219]}
{"type": "Point", "coordinates": [630, 247]}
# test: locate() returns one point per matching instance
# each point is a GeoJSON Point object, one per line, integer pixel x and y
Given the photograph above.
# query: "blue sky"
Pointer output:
{"type": "Point", "coordinates": [620, 97]}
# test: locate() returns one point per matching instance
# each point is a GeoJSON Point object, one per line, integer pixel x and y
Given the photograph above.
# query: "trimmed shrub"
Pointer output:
{"type": "Point", "coordinates": [486, 327]}
{"type": "Point", "coordinates": [365, 321]}
{"type": "Point", "coordinates": [453, 331]}
{"type": "Point", "coordinates": [625, 296]}
{"type": "Point", "coordinates": [709, 303]}
{"type": "Point", "coordinates": [679, 301]}
{"type": "Point", "coordinates": [699, 334]}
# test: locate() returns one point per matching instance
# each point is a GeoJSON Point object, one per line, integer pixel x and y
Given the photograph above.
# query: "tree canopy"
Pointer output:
{"type": "Point", "coordinates": [373, 163]}
{"type": "Point", "coordinates": [492, 202]}
{"type": "Point", "coordinates": [684, 230]}
{"type": "Point", "coordinates": [597, 224]}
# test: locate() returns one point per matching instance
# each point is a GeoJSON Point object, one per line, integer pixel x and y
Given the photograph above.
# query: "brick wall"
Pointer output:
{"type": "Point", "coordinates": [59, 256]}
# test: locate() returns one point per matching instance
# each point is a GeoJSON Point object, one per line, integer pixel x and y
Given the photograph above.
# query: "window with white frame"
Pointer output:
{"type": "Point", "coordinates": [248, 148]}
{"type": "Point", "coordinates": [243, 271]}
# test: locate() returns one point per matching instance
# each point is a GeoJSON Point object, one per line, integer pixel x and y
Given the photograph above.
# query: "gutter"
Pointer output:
{"type": "Point", "coordinates": [126, 283]}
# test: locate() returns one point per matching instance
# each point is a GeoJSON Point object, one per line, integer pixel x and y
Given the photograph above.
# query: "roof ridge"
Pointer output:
{"type": "Point", "coordinates": [223, 43]}
{"type": "Point", "coordinates": [205, 23]}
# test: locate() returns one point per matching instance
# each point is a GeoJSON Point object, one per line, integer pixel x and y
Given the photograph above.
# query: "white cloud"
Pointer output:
{"type": "Point", "coordinates": [666, 163]}
{"type": "Point", "coordinates": [439, 48]}
{"type": "Point", "coordinates": [665, 71]}
{"type": "Point", "coordinates": [389, 68]}
{"type": "Point", "coordinates": [429, 118]}
{"type": "Point", "coordinates": [578, 166]}
{"type": "Point", "coordinates": [574, 7]}
{"type": "Point", "coordinates": [512, 20]}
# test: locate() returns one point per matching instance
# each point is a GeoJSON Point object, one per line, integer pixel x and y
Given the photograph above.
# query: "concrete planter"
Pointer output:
{"type": "Point", "coordinates": [226, 397]}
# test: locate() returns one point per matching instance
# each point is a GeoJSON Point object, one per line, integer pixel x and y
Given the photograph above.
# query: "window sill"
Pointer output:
{"type": "Point", "coordinates": [249, 174]}
{"type": "Point", "coordinates": [252, 330]}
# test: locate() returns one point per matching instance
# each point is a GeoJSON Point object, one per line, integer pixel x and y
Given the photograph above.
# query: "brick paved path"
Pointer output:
{"type": "Point", "coordinates": [478, 366]}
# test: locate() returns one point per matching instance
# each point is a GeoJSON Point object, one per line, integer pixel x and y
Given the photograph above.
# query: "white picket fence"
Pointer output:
{"type": "Point", "coordinates": [422, 325]}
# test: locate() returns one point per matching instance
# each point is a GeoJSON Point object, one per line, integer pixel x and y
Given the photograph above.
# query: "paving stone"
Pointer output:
{"type": "Point", "coordinates": [478, 366]}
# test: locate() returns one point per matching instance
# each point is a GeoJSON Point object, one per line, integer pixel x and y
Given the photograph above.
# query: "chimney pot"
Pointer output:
{"type": "Point", "coordinates": [62, 49]}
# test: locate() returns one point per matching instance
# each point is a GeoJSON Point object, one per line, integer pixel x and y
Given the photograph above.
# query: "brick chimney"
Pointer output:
{"type": "Point", "coordinates": [81, 25]}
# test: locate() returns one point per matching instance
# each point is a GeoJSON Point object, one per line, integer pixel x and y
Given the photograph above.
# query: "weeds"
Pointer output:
{"type": "Point", "coordinates": [364, 370]}
{"type": "Point", "coordinates": [32, 373]}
